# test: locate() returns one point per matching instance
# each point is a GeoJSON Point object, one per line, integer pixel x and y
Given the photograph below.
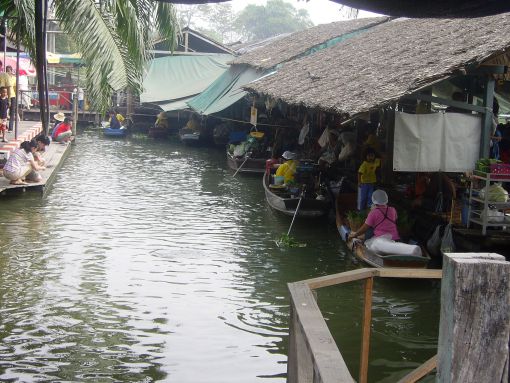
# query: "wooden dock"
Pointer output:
{"type": "Point", "coordinates": [54, 156]}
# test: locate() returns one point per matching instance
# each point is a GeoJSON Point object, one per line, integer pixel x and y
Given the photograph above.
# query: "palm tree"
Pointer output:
{"type": "Point", "coordinates": [114, 37]}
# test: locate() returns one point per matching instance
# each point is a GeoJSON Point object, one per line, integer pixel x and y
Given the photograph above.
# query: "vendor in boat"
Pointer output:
{"type": "Point", "coordinates": [288, 168]}
{"type": "Point", "coordinates": [193, 123]}
{"type": "Point", "coordinates": [161, 121]}
{"type": "Point", "coordinates": [381, 220]}
{"type": "Point", "coordinates": [114, 122]}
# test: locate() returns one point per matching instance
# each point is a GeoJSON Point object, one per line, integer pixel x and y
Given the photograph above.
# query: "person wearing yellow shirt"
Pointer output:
{"type": "Point", "coordinates": [367, 178]}
{"type": "Point", "coordinates": [8, 80]}
{"type": "Point", "coordinates": [288, 168]}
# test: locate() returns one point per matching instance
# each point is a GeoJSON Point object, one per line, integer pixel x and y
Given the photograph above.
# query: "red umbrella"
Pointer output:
{"type": "Point", "coordinates": [25, 66]}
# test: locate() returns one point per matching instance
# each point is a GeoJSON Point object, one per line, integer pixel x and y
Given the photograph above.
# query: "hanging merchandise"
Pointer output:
{"type": "Point", "coordinates": [253, 116]}
{"type": "Point", "coordinates": [304, 132]}
{"type": "Point", "coordinates": [270, 104]}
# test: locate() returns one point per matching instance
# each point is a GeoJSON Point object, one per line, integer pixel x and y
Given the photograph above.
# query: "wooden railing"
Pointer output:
{"type": "Point", "coordinates": [313, 353]}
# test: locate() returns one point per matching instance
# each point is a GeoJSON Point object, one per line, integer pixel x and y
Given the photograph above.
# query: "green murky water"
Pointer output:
{"type": "Point", "coordinates": [146, 261]}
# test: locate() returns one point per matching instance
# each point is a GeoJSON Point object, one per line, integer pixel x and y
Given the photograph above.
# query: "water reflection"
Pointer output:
{"type": "Point", "coordinates": [148, 261]}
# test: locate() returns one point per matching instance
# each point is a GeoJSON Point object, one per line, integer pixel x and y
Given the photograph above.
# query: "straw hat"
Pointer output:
{"type": "Point", "coordinates": [379, 197]}
{"type": "Point", "coordinates": [289, 155]}
{"type": "Point", "coordinates": [59, 116]}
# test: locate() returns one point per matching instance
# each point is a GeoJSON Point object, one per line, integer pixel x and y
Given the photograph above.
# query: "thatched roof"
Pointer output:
{"type": "Point", "coordinates": [387, 62]}
{"type": "Point", "coordinates": [297, 43]}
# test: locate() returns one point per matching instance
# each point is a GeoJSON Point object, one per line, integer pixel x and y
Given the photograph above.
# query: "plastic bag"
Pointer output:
{"type": "Point", "coordinates": [434, 242]}
{"type": "Point", "coordinates": [447, 244]}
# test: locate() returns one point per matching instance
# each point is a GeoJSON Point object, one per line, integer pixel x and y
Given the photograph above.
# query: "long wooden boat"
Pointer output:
{"type": "Point", "coordinates": [252, 165]}
{"type": "Point", "coordinates": [189, 137]}
{"type": "Point", "coordinates": [282, 201]}
{"type": "Point", "coordinates": [370, 257]}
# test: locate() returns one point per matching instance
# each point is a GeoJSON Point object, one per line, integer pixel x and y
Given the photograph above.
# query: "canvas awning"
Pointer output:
{"type": "Point", "coordinates": [179, 104]}
{"type": "Point", "coordinates": [174, 78]}
{"type": "Point", "coordinates": [225, 91]}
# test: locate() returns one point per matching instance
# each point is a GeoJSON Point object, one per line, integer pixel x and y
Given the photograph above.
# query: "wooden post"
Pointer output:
{"type": "Point", "coordinates": [474, 326]}
{"type": "Point", "coordinates": [75, 111]}
{"type": "Point", "coordinates": [365, 332]}
{"type": "Point", "coordinates": [488, 99]}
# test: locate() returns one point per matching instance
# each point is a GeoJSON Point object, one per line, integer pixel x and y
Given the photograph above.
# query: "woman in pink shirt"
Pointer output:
{"type": "Point", "coordinates": [382, 218]}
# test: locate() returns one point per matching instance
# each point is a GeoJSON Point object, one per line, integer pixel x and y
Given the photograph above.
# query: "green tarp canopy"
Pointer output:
{"type": "Point", "coordinates": [174, 78]}
{"type": "Point", "coordinates": [225, 91]}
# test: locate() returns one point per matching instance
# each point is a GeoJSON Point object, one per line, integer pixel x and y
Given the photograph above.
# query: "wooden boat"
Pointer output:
{"type": "Point", "coordinates": [158, 133]}
{"type": "Point", "coordinates": [368, 256]}
{"type": "Point", "coordinates": [280, 199]}
{"type": "Point", "coordinates": [189, 137]}
{"type": "Point", "coordinates": [109, 132]}
{"type": "Point", "coordinates": [252, 165]}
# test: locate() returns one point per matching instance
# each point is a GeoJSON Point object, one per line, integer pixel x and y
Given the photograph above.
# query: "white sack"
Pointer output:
{"type": "Point", "coordinates": [386, 246]}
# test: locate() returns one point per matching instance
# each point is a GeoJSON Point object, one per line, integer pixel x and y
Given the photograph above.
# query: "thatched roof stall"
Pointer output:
{"type": "Point", "coordinates": [299, 43]}
{"type": "Point", "coordinates": [386, 62]}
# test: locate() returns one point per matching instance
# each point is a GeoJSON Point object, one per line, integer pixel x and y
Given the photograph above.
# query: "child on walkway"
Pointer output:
{"type": "Point", "coordinates": [367, 179]}
{"type": "Point", "coordinates": [4, 110]}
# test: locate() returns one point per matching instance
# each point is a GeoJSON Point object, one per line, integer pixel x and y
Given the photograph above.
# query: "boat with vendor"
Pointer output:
{"type": "Point", "coordinates": [296, 188]}
{"type": "Point", "coordinates": [374, 237]}
{"type": "Point", "coordinates": [246, 152]}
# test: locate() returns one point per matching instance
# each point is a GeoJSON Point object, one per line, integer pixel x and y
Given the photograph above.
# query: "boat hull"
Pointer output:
{"type": "Point", "coordinates": [309, 208]}
{"type": "Point", "coordinates": [252, 165]}
{"type": "Point", "coordinates": [115, 132]}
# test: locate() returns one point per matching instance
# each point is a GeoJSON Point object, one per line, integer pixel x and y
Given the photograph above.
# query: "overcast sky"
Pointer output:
{"type": "Point", "coordinates": [321, 11]}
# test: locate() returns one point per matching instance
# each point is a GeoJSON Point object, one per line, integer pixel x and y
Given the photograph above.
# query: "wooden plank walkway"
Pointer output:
{"type": "Point", "coordinates": [54, 156]}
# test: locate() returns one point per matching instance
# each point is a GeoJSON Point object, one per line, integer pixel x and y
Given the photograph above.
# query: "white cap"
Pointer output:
{"type": "Point", "coordinates": [379, 197]}
{"type": "Point", "coordinates": [289, 155]}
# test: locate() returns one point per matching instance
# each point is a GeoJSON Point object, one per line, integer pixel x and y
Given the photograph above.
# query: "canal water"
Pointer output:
{"type": "Point", "coordinates": [146, 261]}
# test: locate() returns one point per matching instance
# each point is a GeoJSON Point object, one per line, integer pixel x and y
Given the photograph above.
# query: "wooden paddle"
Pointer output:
{"type": "Point", "coordinates": [248, 155]}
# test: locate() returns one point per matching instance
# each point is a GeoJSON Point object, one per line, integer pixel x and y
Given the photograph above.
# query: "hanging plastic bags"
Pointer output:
{"type": "Point", "coordinates": [434, 243]}
{"type": "Point", "coordinates": [447, 244]}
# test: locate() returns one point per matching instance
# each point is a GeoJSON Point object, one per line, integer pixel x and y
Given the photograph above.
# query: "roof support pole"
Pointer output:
{"type": "Point", "coordinates": [488, 99]}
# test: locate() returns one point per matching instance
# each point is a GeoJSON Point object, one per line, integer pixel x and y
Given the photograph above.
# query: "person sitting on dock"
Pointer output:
{"type": "Point", "coordinates": [288, 168]}
{"type": "Point", "coordinates": [21, 163]}
{"type": "Point", "coordinates": [59, 118]}
{"type": "Point", "coordinates": [62, 132]}
{"type": "Point", "coordinates": [382, 218]}
{"type": "Point", "coordinates": [41, 141]}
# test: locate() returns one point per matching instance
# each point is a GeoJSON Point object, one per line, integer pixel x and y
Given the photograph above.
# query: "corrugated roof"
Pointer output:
{"type": "Point", "coordinates": [387, 62]}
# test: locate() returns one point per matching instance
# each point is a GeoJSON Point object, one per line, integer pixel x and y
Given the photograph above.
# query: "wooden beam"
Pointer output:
{"type": "Point", "coordinates": [409, 273]}
{"type": "Point", "coordinates": [335, 279]}
{"type": "Point", "coordinates": [444, 101]}
{"type": "Point", "coordinates": [365, 331]}
{"type": "Point", "coordinates": [474, 325]}
{"type": "Point", "coordinates": [425, 369]}
{"type": "Point", "coordinates": [328, 364]}
{"type": "Point", "coordinates": [488, 99]}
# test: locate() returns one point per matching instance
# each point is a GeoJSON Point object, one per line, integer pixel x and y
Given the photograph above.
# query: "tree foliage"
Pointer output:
{"type": "Point", "coordinates": [256, 22]}
{"type": "Point", "coordinates": [113, 36]}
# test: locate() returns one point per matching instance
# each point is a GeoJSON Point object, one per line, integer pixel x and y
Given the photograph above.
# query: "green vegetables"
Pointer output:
{"type": "Point", "coordinates": [288, 241]}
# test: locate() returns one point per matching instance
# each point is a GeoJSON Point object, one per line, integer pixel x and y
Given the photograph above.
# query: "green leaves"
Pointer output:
{"type": "Point", "coordinates": [114, 37]}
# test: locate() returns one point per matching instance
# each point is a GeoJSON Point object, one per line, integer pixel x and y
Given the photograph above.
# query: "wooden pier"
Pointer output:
{"type": "Point", "coordinates": [474, 324]}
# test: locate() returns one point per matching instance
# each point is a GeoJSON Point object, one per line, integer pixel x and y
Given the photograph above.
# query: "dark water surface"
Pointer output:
{"type": "Point", "coordinates": [147, 262]}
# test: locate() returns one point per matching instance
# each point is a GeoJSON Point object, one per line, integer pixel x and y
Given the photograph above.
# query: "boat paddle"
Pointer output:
{"type": "Point", "coordinates": [248, 155]}
{"type": "Point", "coordinates": [285, 239]}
